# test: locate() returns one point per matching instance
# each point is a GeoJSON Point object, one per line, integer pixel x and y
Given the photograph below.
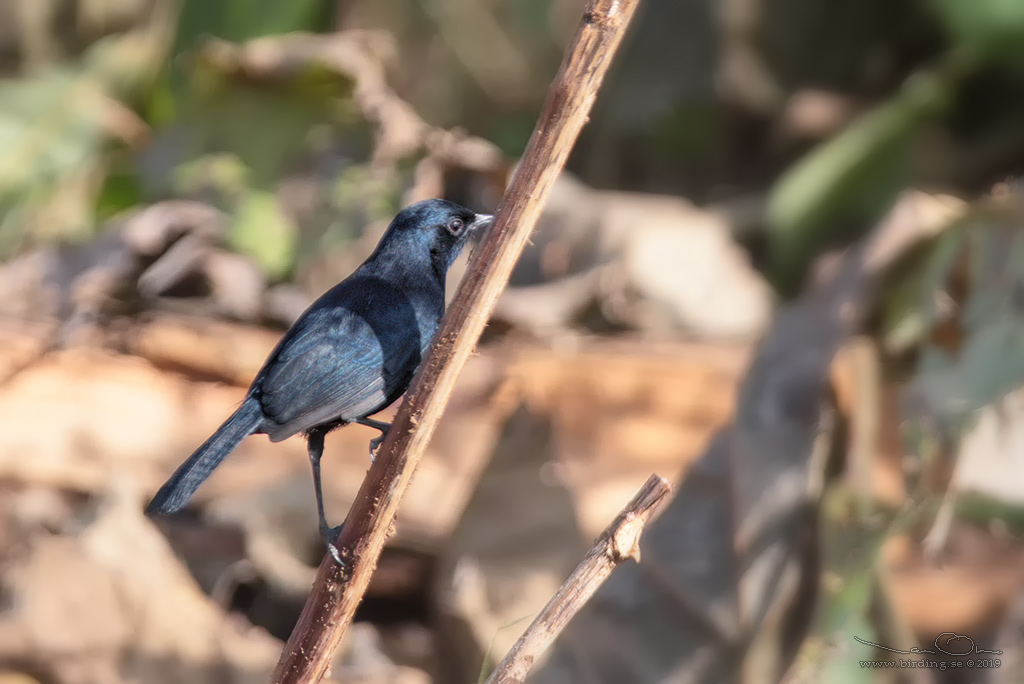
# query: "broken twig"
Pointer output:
{"type": "Point", "coordinates": [619, 541]}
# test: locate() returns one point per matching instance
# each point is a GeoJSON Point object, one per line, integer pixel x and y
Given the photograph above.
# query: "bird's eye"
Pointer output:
{"type": "Point", "coordinates": [456, 225]}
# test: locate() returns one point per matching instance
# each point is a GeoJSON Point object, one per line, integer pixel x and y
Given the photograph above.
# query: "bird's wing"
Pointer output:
{"type": "Point", "coordinates": [335, 366]}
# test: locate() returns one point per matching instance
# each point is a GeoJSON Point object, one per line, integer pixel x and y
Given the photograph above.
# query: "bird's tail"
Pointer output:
{"type": "Point", "coordinates": [186, 479]}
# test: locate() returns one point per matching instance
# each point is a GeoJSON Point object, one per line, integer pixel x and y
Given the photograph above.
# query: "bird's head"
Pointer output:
{"type": "Point", "coordinates": [434, 227]}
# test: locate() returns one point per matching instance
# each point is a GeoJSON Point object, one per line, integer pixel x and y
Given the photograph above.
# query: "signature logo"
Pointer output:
{"type": "Point", "coordinates": [949, 643]}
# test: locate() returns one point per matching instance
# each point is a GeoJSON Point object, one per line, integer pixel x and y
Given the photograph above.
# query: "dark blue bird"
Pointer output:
{"type": "Point", "coordinates": [352, 353]}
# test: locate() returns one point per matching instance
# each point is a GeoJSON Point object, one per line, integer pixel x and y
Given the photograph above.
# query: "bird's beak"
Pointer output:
{"type": "Point", "coordinates": [481, 221]}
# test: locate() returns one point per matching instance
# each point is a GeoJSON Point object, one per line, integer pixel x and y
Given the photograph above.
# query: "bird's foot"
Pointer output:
{"type": "Point", "coordinates": [330, 535]}
{"type": "Point", "coordinates": [375, 445]}
{"type": "Point", "coordinates": [377, 441]}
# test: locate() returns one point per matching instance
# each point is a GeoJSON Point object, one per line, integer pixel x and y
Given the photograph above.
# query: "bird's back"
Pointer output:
{"type": "Point", "coordinates": [351, 354]}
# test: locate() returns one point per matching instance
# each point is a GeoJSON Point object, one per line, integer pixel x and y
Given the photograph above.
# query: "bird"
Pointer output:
{"type": "Point", "coordinates": [351, 353]}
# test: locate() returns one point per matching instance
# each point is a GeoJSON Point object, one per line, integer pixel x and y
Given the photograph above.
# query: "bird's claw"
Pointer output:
{"type": "Point", "coordinates": [335, 554]}
{"type": "Point", "coordinates": [375, 445]}
{"type": "Point", "coordinates": [329, 535]}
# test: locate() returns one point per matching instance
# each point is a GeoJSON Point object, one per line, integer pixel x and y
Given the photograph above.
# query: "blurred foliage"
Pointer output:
{"type": "Point", "coordinates": [263, 231]}
{"type": "Point", "coordinates": [846, 183]}
{"type": "Point", "coordinates": [166, 110]}
{"type": "Point", "coordinates": [955, 306]}
{"type": "Point", "coordinates": [850, 546]}
{"type": "Point", "coordinates": [233, 141]}
{"type": "Point", "coordinates": [201, 127]}
{"type": "Point", "coordinates": [852, 178]}
{"type": "Point", "coordinates": [56, 130]}
{"type": "Point", "coordinates": [991, 29]}
{"type": "Point", "coordinates": [960, 301]}
{"type": "Point", "coordinates": [983, 511]}
{"type": "Point", "coordinates": [483, 67]}
{"type": "Point", "coordinates": [242, 20]}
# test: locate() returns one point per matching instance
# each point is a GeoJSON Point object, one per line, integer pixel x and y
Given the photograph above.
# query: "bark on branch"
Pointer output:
{"type": "Point", "coordinates": [338, 591]}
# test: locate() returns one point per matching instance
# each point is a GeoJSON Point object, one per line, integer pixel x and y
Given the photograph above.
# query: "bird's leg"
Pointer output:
{"type": "Point", "coordinates": [376, 441]}
{"type": "Point", "coordinates": [315, 445]}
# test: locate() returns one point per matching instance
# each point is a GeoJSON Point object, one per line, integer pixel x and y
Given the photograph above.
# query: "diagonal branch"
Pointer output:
{"type": "Point", "coordinates": [337, 591]}
{"type": "Point", "coordinates": [619, 541]}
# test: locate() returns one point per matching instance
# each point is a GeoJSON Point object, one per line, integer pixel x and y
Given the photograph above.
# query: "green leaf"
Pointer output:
{"type": "Point", "coordinates": [990, 360]}
{"type": "Point", "coordinates": [222, 175]}
{"type": "Point", "coordinates": [851, 179]}
{"type": "Point", "coordinates": [850, 546]}
{"type": "Point", "coordinates": [49, 125]}
{"type": "Point", "coordinates": [54, 140]}
{"type": "Point", "coordinates": [993, 360]}
{"type": "Point", "coordinates": [910, 296]}
{"type": "Point", "coordinates": [263, 231]}
{"type": "Point", "coordinates": [236, 21]}
{"type": "Point", "coordinates": [993, 29]}
{"type": "Point", "coordinates": [247, 19]}
{"type": "Point", "coordinates": [265, 124]}
{"type": "Point", "coordinates": [120, 192]}
{"type": "Point", "coordinates": [264, 129]}
{"type": "Point", "coordinates": [982, 510]}
{"type": "Point", "coordinates": [241, 20]}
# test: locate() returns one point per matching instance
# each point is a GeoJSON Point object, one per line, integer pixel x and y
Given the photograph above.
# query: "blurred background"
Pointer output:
{"type": "Point", "coordinates": [784, 269]}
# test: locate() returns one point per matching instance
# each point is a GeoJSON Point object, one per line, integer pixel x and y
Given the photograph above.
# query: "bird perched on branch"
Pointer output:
{"type": "Point", "coordinates": [352, 353]}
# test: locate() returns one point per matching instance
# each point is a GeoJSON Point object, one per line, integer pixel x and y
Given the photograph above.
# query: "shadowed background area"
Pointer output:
{"type": "Point", "coordinates": [719, 291]}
